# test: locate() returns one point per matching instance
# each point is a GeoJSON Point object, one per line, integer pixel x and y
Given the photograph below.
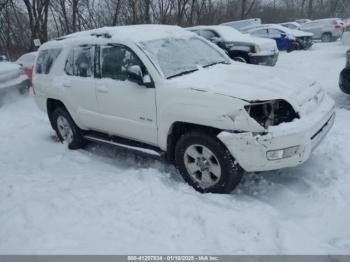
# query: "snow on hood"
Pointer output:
{"type": "Point", "coordinates": [250, 83]}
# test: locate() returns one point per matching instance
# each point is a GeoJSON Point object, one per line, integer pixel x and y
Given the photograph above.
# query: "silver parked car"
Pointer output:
{"type": "Point", "coordinates": [326, 30]}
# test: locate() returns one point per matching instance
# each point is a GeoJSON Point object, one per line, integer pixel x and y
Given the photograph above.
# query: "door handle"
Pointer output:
{"type": "Point", "coordinates": [102, 89]}
{"type": "Point", "coordinates": [67, 85]}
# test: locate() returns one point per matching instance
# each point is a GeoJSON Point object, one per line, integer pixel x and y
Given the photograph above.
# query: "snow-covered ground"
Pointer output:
{"type": "Point", "coordinates": [102, 200]}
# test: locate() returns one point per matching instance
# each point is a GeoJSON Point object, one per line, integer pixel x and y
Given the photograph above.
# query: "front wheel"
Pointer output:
{"type": "Point", "coordinates": [206, 164]}
{"type": "Point", "coordinates": [326, 37]}
{"type": "Point", "coordinates": [67, 131]}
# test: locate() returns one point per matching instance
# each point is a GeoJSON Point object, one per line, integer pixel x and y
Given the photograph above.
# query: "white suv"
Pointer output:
{"type": "Point", "coordinates": [166, 91]}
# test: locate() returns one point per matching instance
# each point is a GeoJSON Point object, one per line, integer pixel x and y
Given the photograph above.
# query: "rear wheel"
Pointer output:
{"type": "Point", "coordinates": [67, 131]}
{"type": "Point", "coordinates": [206, 164]}
{"type": "Point", "coordinates": [326, 37]}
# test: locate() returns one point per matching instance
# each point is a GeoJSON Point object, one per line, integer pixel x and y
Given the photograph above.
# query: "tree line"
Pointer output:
{"type": "Point", "coordinates": [22, 21]}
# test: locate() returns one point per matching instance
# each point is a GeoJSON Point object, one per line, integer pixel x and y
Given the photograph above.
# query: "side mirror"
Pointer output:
{"type": "Point", "coordinates": [283, 35]}
{"type": "Point", "coordinates": [135, 75]}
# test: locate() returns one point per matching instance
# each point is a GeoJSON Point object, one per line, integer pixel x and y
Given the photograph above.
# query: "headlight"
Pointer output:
{"type": "Point", "coordinates": [257, 49]}
{"type": "Point", "coordinates": [271, 113]}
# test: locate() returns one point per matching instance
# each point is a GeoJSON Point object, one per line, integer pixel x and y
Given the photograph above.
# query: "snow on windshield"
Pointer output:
{"type": "Point", "coordinates": [177, 55]}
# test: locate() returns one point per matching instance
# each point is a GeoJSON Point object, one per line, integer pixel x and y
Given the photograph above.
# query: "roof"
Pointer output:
{"type": "Point", "coordinates": [133, 33]}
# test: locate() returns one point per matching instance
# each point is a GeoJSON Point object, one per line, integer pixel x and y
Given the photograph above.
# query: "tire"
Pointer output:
{"type": "Point", "coordinates": [67, 131]}
{"type": "Point", "coordinates": [326, 37]}
{"type": "Point", "coordinates": [206, 164]}
{"type": "Point", "coordinates": [295, 45]}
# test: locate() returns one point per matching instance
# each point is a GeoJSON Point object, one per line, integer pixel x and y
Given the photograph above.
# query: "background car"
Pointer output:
{"type": "Point", "coordinates": [286, 39]}
{"type": "Point", "coordinates": [243, 23]}
{"type": "Point", "coordinates": [12, 78]}
{"type": "Point", "coordinates": [3, 57]}
{"type": "Point", "coordinates": [327, 30]}
{"type": "Point", "coordinates": [303, 21]}
{"type": "Point", "coordinates": [26, 61]}
{"type": "Point", "coordinates": [344, 79]}
{"type": "Point", "coordinates": [291, 25]}
{"type": "Point", "coordinates": [240, 47]}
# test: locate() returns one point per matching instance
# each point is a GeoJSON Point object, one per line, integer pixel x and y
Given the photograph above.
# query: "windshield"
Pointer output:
{"type": "Point", "coordinates": [177, 56]}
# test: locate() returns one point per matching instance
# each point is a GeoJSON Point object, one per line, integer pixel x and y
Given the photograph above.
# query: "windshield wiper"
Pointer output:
{"type": "Point", "coordinates": [215, 63]}
{"type": "Point", "coordinates": [183, 73]}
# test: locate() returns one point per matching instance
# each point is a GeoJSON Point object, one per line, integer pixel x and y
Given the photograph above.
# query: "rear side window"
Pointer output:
{"type": "Point", "coordinates": [261, 33]}
{"type": "Point", "coordinates": [80, 62]}
{"type": "Point", "coordinates": [208, 34]}
{"type": "Point", "coordinates": [46, 59]}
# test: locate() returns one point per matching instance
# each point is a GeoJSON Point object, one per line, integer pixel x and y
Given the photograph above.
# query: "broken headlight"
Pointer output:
{"type": "Point", "coordinates": [271, 113]}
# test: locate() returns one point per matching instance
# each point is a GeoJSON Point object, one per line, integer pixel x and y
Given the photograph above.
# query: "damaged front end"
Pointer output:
{"type": "Point", "coordinates": [285, 138]}
{"type": "Point", "coordinates": [271, 113]}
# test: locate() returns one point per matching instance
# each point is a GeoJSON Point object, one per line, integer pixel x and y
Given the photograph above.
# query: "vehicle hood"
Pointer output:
{"type": "Point", "coordinates": [250, 83]}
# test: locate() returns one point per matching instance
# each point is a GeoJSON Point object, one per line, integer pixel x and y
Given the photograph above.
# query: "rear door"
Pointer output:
{"type": "Point", "coordinates": [79, 85]}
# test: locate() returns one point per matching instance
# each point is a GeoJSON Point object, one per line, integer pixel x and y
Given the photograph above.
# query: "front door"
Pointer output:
{"type": "Point", "coordinates": [128, 109]}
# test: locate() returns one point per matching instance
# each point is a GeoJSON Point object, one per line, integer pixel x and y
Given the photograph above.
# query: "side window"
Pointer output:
{"type": "Point", "coordinates": [260, 33]}
{"type": "Point", "coordinates": [115, 60]}
{"type": "Point", "coordinates": [207, 34]}
{"type": "Point", "coordinates": [80, 62]}
{"type": "Point", "coordinates": [46, 59]}
{"type": "Point", "coordinates": [274, 33]}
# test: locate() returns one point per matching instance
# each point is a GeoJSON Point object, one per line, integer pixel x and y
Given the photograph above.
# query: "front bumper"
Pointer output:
{"type": "Point", "coordinates": [269, 60]}
{"type": "Point", "coordinates": [250, 150]}
{"type": "Point", "coordinates": [305, 42]}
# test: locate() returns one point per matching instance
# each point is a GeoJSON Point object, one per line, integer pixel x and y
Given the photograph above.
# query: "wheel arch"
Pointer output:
{"type": "Point", "coordinates": [51, 106]}
{"type": "Point", "coordinates": [177, 129]}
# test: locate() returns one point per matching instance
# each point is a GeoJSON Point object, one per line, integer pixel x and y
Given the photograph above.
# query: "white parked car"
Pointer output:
{"type": "Point", "coordinates": [326, 30]}
{"type": "Point", "coordinates": [12, 79]}
{"type": "Point", "coordinates": [164, 90]}
{"type": "Point", "coordinates": [240, 47]}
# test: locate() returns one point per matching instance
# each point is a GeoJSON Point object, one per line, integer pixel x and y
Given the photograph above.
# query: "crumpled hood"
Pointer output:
{"type": "Point", "coordinates": [251, 83]}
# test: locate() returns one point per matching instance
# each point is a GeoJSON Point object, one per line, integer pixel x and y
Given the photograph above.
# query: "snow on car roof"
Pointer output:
{"type": "Point", "coordinates": [227, 33]}
{"type": "Point", "coordinates": [133, 33]}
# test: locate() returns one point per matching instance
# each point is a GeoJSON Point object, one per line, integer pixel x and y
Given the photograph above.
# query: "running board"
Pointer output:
{"type": "Point", "coordinates": [144, 150]}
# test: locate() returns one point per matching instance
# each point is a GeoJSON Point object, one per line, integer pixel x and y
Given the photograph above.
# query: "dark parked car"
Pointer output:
{"type": "Point", "coordinates": [344, 80]}
{"type": "Point", "coordinates": [240, 47]}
